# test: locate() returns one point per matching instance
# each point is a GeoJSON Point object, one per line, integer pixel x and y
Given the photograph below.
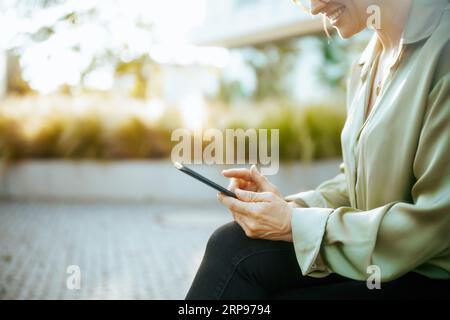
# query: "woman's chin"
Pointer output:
{"type": "Point", "coordinates": [345, 32]}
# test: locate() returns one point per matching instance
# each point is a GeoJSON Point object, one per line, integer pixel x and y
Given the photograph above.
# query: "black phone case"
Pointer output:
{"type": "Point", "coordinates": [206, 181]}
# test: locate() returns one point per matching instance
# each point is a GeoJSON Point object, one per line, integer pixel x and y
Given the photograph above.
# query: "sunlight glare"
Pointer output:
{"type": "Point", "coordinates": [193, 111]}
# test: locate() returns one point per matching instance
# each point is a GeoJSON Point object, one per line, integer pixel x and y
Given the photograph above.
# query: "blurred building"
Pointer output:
{"type": "Point", "coordinates": [229, 24]}
{"type": "Point", "coordinates": [236, 23]}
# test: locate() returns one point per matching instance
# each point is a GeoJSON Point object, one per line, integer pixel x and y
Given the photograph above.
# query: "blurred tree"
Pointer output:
{"type": "Point", "coordinates": [273, 67]}
{"type": "Point", "coordinates": [333, 70]}
{"type": "Point", "coordinates": [230, 91]}
{"type": "Point", "coordinates": [271, 64]}
{"type": "Point", "coordinates": [141, 68]}
{"type": "Point", "coordinates": [337, 56]}
{"type": "Point", "coordinates": [15, 84]}
{"type": "Point", "coordinates": [66, 17]}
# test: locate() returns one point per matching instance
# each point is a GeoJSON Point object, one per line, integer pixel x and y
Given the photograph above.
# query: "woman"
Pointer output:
{"type": "Point", "coordinates": [387, 214]}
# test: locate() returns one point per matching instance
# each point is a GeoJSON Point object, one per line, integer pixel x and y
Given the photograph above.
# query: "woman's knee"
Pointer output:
{"type": "Point", "coordinates": [230, 242]}
{"type": "Point", "coordinates": [226, 238]}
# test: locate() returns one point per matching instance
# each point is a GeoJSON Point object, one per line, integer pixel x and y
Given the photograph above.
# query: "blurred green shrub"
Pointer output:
{"type": "Point", "coordinates": [63, 128]}
{"type": "Point", "coordinates": [307, 133]}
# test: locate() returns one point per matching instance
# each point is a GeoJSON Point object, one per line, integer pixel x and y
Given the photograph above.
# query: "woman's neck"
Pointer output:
{"type": "Point", "coordinates": [394, 16]}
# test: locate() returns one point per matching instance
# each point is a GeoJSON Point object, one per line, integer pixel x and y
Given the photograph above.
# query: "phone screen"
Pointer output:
{"type": "Point", "coordinates": [206, 181]}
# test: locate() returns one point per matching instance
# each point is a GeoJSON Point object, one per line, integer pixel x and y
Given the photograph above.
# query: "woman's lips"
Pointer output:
{"type": "Point", "coordinates": [335, 15]}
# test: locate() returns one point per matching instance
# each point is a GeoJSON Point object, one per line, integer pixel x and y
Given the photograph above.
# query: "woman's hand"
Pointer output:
{"type": "Point", "coordinates": [262, 215]}
{"type": "Point", "coordinates": [250, 180]}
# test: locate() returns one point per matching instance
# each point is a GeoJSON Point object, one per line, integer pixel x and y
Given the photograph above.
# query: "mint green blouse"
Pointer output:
{"type": "Point", "coordinates": [390, 205]}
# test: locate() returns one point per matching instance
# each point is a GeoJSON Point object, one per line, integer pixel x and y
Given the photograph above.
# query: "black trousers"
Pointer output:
{"type": "Point", "coordinates": [237, 267]}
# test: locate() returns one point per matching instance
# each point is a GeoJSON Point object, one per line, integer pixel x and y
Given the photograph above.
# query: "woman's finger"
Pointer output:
{"type": "Point", "coordinates": [249, 196]}
{"type": "Point", "coordinates": [257, 177]}
{"type": "Point", "coordinates": [240, 184]}
{"type": "Point", "coordinates": [233, 204]}
{"type": "Point", "coordinates": [251, 175]}
{"type": "Point", "coordinates": [239, 173]}
{"type": "Point", "coordinates": [233, 184]}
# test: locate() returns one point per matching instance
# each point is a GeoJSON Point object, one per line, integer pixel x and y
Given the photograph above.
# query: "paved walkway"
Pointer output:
{"type": "Point", "coordinates": [124, 251]}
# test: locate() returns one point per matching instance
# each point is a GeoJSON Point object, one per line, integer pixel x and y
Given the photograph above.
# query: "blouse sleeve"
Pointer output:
{"type": "Point", "coordinates": [332, 193]}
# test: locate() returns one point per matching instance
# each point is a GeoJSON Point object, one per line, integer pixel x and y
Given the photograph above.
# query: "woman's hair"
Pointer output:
{"type": "Point", "coordinates": [325, 27]}
{"type": "Point", "coordinates": [300, 4]}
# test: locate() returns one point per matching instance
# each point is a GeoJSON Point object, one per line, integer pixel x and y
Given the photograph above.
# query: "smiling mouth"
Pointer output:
{"type": "Point", "coordinates": [335, 15]}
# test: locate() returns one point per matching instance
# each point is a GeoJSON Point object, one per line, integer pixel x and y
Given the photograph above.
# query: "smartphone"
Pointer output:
{"type": "Point", "coordinates": [201, 178]}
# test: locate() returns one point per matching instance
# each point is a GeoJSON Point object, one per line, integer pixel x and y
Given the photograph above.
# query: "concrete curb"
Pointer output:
{"type": "Point", "coordinates": [66, 180]}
